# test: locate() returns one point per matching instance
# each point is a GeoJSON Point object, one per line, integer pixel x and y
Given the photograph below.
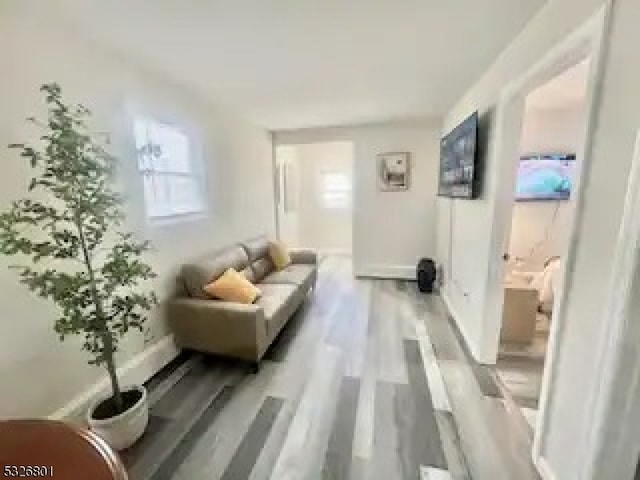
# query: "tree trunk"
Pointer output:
{"type": "Point", "coordinates": [107, 342]}
{"type": "Point", "coordinates": [111, 368]}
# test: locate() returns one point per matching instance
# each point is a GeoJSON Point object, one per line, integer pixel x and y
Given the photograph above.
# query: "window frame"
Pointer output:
{"type": "Point", "coordinates": [346, 203]}
{"type": "Point", "coordinates": [156, 214]}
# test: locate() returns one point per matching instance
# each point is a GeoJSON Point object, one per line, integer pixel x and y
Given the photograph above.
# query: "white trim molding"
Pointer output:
{"type": "Point", "coordinates": [612, 438]}
{"type": "Point", "coordinates": [461, 327]}
{"type": "Point", "coordinates": [399, 272]}
{"type": "Point", "coordinates": [544, 469]}
{"type": "Point", "coordinates": [595, 32]}
{"type": "Point", "coordinates": [136, 371]}
{"type": "Point", "coordinates": [342, 252]}
{"type": "Point", "coordinates": [586, 40]}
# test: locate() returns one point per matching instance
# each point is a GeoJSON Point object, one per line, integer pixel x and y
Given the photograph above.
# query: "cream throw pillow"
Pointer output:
{"type": "Point", "coordinates": [279, 255]}
{"type": "Point", "coordinates": [233, 287]}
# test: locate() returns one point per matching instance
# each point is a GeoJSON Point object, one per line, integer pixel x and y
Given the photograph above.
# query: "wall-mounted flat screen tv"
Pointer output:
{"type": "Point", "coordinates": [458, 154]}
{"type": "Point", "coordinates": [545, 177]}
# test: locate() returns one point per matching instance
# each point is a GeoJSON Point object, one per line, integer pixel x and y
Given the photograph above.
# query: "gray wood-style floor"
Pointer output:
{"type": "Point", "coordinates": [368, 381]}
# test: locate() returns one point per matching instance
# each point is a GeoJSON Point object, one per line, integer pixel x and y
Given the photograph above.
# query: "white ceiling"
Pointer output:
{"type": "Point", "coordinates": [300, 63]}
{"type": "Point", "coordinates": [564, 90]}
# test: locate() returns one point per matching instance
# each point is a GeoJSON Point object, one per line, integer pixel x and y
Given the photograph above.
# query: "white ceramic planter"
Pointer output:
{"type": "Point", "coordinates": [122, 431]}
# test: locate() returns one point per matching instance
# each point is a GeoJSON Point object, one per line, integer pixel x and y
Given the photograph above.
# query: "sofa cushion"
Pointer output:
{"type": "Point", "coordinates": [208, 268]}
{"type": "Point", "coordinates": [278, 302]}
{"type": "Point", "coordinates": [233, 287]}
{"type": "Point", "coordinates": [279, 255]}
{"type": "Point", "coordinates": [256, 247]}
{"type": "Point", "coordinates": [261, 268]}
{"type": "Point", "coordinates": [248, 274]}
{"type": "Point", "coordinates": [257, 250]}
{"type": "Point", "coordinates": [295, 274]}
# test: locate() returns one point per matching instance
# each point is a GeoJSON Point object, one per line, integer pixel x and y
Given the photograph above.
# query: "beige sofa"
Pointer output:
{"type": "Point", "coordinates": [234, 329]}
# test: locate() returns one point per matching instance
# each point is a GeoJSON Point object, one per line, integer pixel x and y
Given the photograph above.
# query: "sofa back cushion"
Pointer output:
{"type": "Point", "coordinates": [203, 271]}
{"type": "Point", "coordinates": [279, 255]}
{"type": "Point", "coordinates": [257, 249]}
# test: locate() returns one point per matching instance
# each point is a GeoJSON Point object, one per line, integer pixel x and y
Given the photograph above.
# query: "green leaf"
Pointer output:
{"type": "Point", "coordinates": [97, 283]}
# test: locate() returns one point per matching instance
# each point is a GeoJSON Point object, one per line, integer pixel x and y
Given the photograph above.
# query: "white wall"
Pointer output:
{"type": "Point", "coordinates": [617, 124]}
{"type": "Point", "coordinates": [38, 374]}
{"type": "Point", "coordinates": [391, 230]}
{"type": "Point", "coordinates": [466, 223]}
{"type": "Point", "coordinates": [617, 121]}
{"type": "Point", "coordinates": [540, 230]}
{"type": "Point", "coordinates": [318, 227]}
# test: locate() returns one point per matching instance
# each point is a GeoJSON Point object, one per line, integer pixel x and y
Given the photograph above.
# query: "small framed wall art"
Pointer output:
{"type": "Point", "coordinates": [394, 169]}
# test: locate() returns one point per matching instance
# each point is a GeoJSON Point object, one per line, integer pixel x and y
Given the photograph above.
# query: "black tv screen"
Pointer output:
{"type": "Point", "coordinates": [458, 154]}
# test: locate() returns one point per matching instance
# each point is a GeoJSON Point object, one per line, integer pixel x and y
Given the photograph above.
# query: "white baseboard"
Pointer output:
{"type": "Point", "coordinates": [335, 251]}
{"type": "Point", "coordinates": [399, 272]}
{"type": "Point", "coordinates": [135, 372]}
{"type": "Point", "coordinates": [456, 318]}
{"type": "Point", "coordinates": [543, 468]}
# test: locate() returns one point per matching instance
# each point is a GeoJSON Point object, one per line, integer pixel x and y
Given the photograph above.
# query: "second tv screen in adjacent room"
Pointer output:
{"type": "Point", "coordinates": [545, 177]}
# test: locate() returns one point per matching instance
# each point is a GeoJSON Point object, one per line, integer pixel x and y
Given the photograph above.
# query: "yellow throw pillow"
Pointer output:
{"type": "Point", "coordinates": [233, 287]}
{"type": "Point", "coordinates": [279, 255]}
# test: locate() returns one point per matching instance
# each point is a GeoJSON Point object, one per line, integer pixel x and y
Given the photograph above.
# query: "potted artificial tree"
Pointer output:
{"type": "Point", "coordinates": [68, 227]}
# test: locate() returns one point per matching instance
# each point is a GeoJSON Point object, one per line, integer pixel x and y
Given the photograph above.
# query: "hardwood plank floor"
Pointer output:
{"type": "Point", "coordinates": [337, 464]}
{"type": "Point", "coordinates": [422, 440]}
{"type": "Point", "coordinates": [386, 461]}
{"type": "Point", "coordinates": [457, 465]}
{"type": "Point", "coordinates": [368, 381]}
{"type": "Point", "coordinates": [305, 447]}
{"type": "Point", "coordinates": [493, 449]}
{"type": "Point", "coordinates": [245, 457]}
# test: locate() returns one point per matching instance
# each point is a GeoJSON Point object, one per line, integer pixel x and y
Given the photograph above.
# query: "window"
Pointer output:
{"type": "Point", "coordinates": [336, 190]}
{"type": "Point", "coordinates": [171, 186]}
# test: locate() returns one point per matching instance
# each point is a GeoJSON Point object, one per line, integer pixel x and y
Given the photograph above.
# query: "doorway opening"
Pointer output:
{"type": "Point", "coordinates": [537, 239]}
{"type": "Point", "coordinates": [315, 196]}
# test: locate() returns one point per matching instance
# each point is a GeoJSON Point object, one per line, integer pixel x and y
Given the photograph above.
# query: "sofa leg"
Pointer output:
{"type": "Point", "coordinates": [255, 367]}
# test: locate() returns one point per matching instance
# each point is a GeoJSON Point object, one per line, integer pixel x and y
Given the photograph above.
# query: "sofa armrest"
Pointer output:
{"type": "Point", "coordinates": [214, 326]}
{"type": "Point", "coordinates": [304, 256]}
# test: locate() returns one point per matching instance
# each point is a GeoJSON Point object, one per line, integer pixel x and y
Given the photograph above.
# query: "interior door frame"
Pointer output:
{"type": "Point", "coordinates": [586, 41]}
{"type": "Point", "coordinates": [285, 189]}
{"type": "Point", "coordinates": [612, 439]}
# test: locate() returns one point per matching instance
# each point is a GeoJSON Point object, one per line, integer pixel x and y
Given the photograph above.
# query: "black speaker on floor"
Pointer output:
{"type": "Point", "coordinates": [426, 274]}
